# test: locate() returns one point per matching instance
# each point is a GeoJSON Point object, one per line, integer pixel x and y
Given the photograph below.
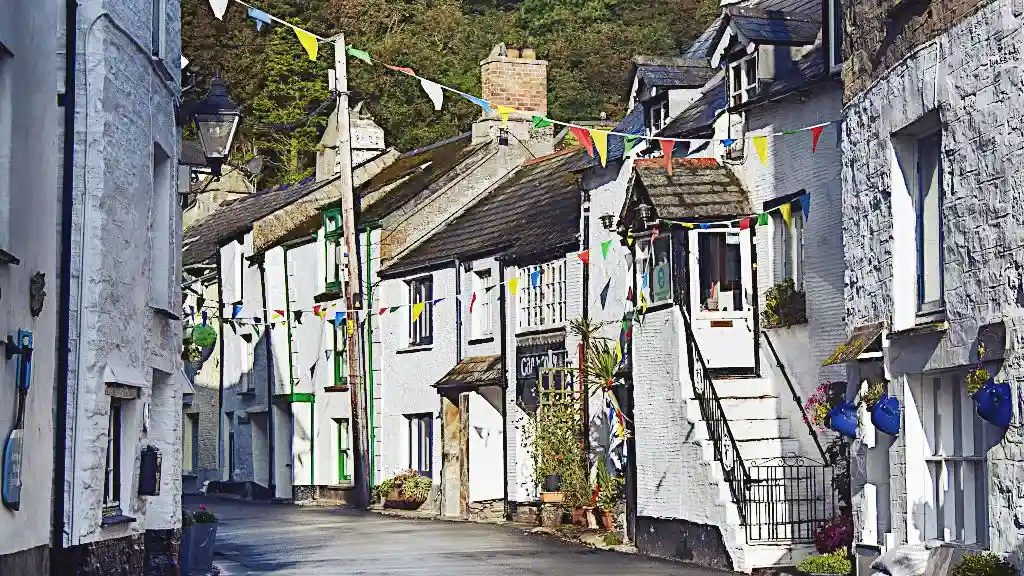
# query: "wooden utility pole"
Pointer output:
{"type": "Point", "coordinates": [353, 295]}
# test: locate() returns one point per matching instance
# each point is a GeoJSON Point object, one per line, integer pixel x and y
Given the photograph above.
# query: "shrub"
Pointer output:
{"type": "Point", "coordinates": [873, 394]}
{"type": "Point", "coordinates": [409, 484]}
{"type": "Point", "coordinates": [833, 563]}
{"type": "Point", "coordinates": [976, 379]}
{"type": "Point", "coordinates": [784, 305]}
{"type": "Point", "coordinates": [986, 564]}
{"type": "Point", "coordinates": [834, 535]}
{"type": "Point", "coordinates": [204, 516]}
{"type": "Point", "coordinates": [612, 539]}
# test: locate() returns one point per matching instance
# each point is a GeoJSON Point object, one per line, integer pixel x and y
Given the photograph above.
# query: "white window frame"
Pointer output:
{"type": "Point", "coordinates": [928, 267]}
{"type": "Point", "coordinates": [748, 83]}
{"type": "Point", "coordinates": [657, 116]}
{"type": "Point", "coordinates": [544, 306]}
{"type": "Point", "coordinates": [6, 142]}
{"type": "Point", "coordinates": [790, 243]}
{"type": "Point", "coordinates": [161, 222]}
{"type": "Point", "coordinates": [649, 262]}
{"type": "Point", "coordinates": [420, 438]}
{"type": "Point", "coordinates": [835, 35]}
{"type": "Point", "coordinates": [956, 462]}
{"type": "Point", "coordinates": [158, 38]}
{"type": "Point", "coordinates": [248, 357]}
{"type": "Point", "coordinates": [421, 332]}
{"type": "Point", "coordinates": [115, 449]}
{"type": "Point", "coordinates": [483, 313]}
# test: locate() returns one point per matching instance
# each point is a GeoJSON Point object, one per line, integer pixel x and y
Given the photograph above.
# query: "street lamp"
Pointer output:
{"type": "Point", "coordinates": [644, 210]}
{"type": "Point", "coordinates": [216, 119]}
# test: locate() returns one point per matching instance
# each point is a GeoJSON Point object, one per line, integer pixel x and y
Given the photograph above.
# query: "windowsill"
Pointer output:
{"type": "Point", "coordinates": [922, 327]}
{"type": "Point", "coordinates": [327, 296]}
{"type": "Point", "coordinates": [344, 388]}
{"type": "Point", "coordinates": [116, 518]}
{"type": "Point", "coordinates": [481, 340]}
{"type": "Point", "coordinates": [7, 258]}
{"type": "Point", "coordinates": [189, 475]}
{"type": "Point", "coordinates": [161, 311]}
{"type": "Point", "coordinates": [657, 307]}
{"type": "Point", "coordinates": [249, 392]}
{"type": "Point", "coordinates": [412, 349]}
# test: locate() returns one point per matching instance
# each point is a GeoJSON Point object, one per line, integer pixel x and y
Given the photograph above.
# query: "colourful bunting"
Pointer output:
{"type": "Point", "coordinates": [513, 285]}
{"type": "Point", "coordinates": [318, 312]}
{"type": "Point", "coordinates": [618, 352]}
{"type": "Point", "coordinates": [236, 309]}
{"type": "Point", "coordinates": [308, 41]}
{"type": "Point", "coordinates": [394, 309]}
{"type": "Point", "coordinates": [815, 134]}
{"type": "Point", "coordinates": [762, 219]}
{"type": "Point", "coordinates": [260, 17]}
{"type": "Point", "coordinates": [278, 314]}
{"type": "Point", "coordinates": [628, 142]}
{"type": "Point", "coordinates": [728, 142]}
{"type": "Point", "coordinates": [805, 204]}
{"type": "Point", "coordinates": [339, 318]}
{"type": "Point", "coordinates": [705, 226]}
{"type": "Point", "coordinates": [351, 327]}
{"type": "Point", "coordinates": [417, 309]}
{"type": "Point", "coordinates": [787, 213]}
{"type": "Point", "coordinates": [535, 278]}
{"type": "Point", "coordinates": [584, 256]}
{"type": "Point", "coordinates": [503, 113]}
{"type": "Point", "coordinates": [583, 136]}
{"type": "Point", "coordinates": [219, 8]}
{"type": "Point", "coordinates": [607, 244]}
{"type": "Point", "coordinates": [298, 316]}
{"type": "Point", "coordinates": [436, 301]}
{"type": "Point", "coordinates": [401, 69]}
{"type": "Point", "coordinates": [478, 101]}
{"type": "Point", "coordinates": [761, 147]}
{"type": "Point", "coordinates": [600, 138]}
{"type": "Point", "coordinates": [541, 122]}
{"type": "Point", "coordinates": [382, 311]}
{"type": "Point", "coordinates": [472, 301]}
{"type": "Point", "coordinates": [666, 150]}
{"type": "Point", "coordinates": [745, 224]}
{"type": "Point", "coordinates": [205, 317]}
{"type": "Point", "coordinates": [360, 54]}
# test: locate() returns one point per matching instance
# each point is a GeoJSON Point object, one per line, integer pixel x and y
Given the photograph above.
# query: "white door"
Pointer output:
{"type": "Point", "coordinates": [721, 297]}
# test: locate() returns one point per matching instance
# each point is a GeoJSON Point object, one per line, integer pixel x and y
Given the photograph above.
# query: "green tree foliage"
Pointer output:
{"type": "Point", "coordinates": [588, 43]}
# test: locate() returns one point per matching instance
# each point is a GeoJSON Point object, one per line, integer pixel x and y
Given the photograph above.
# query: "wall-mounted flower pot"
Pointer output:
{"type": "Point", "coordinates": [994, 403]}
{"type": "Point", "coordinates": [843, 418]}
{"type": "Point", "coordinates": [885, 415]}
{"type": "Point", "coordinates": [552, 497]}
{"type": "Point", "coordinates": [553, 483]}
{"type": "Point", "coordinates": [203, 540]}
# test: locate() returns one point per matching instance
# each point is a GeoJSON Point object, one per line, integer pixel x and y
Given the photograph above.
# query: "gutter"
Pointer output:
{"type": "Point", "coordinates": [504, 389]}
{"type": "Point", "coordinates": [220, 364]}
{"type": "Point", "coordinates": [270, 383]}
{"type": "Point", "coordinates": [60, 395]}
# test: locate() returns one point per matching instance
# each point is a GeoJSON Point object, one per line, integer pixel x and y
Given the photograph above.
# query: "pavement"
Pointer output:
{"type": "Point", "coordinates": [286, 540]}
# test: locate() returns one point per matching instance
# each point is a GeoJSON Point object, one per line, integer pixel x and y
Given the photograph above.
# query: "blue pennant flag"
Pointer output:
{"type": "Point", "coordinates": [339, 318]}
{"type": "Point", "coordinates": [204, 317]}
{"type": "Point", "coordinates": [643, 285]}
{"type": "Point", "coordinates": [535, 278]}
{"type": "Point", "coordinates": [478, 101]}
{"type": "Point", "coordinates": [260, 17]}
{"type": "Point", "coordinates": [191, 312]}
{"type": "Point", "coordinates": [705, 226]}
{"type": "Point", "coordinates": [236, 309]}
{"type": "Point", "coordinates": [805, 204]}
{"type": "Point", "coordinates": [435, 301]}
{"type": "Point", "coordinates": [728, 142]}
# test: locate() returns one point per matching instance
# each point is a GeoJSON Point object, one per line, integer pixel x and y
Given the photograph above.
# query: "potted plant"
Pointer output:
{"type": "Point", "coordinates": [203, 539]}
{"type": "Point", "coordinates": [184, 561]}
{"type": "Point", "coordinates": [992, 399]}
{"type": "Point", "coordinates": [884, 409]}
{"type": "Point", "coordinates": [837, 562]}
{"type": "Point", "coordinates": [408, 490]}
{"type": "Point", "coordinates": [607, 494]}
{"type": "Point", "coordinates": [835, 534]}
{"type": "Point", "coordinates": [784, 305]}
{"type": "Point", "coordinates": [986, 564]}
{"type": "Point", "coordinates": [828, 408]}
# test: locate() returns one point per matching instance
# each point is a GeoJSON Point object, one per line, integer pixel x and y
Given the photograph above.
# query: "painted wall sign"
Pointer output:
{"type": "Point", "coordinates": [529, 360]}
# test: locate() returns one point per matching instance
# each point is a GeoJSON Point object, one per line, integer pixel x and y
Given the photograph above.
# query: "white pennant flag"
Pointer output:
{"type": "Point", "coordinates": [434, 91]}
{"type": "Point", "coordinates": [219, 8]}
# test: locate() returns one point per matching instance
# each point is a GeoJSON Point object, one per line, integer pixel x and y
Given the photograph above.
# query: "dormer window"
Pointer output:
{"type": "Point", "coordinates": [657, 116]}
{"type": "Point", "coordinates": [742, 79]}
{"type": "Point", "coordinates": [835, 34]}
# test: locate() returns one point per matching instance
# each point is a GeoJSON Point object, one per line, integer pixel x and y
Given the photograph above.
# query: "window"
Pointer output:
{"type": "Point", "coordinates": [230, 416]}
{"type": "Point", "coordinates": [721, 287]}
{"type": "Point", "coordinates": [344, 454]}
{"type": "Point", "coordinates": [542, 295]}
{"type": "Point", "coordinates": [742, 80]}
{"type": "Point", "coordinates": [957, 505]}
{"type": "Point", "coordinates": [483, 313]}
{"type": "Point", "coordinates": [157, 46]}
{"type": "Point", "coordinates": [190, 444]}
{"type": "Point", "coordinates": [790, 246]}
{"type": "Point", "coordinates": [112, 479]}
{"type": "Point", "coordinates": [835, 34]}
{"type": "Point", "coordinates": [160, 231]}
{"type": "Point", "coordinates": [421, 328]}
{"type": "Point", "coordinates": [928, 208]}
{"type": "Point", "coordinates": [421, 443]}
{"type": "Point", "coordinates": [334, 253]}
{"type": "Point", "coordinates": [655, 269]}
{"type": "Point", "coordinates": [248, 351]}
{"type": "Point", "coordinates": [6, 105]}
{"type": "Point", "coordinates": [657, 116]}
{"type": "Point", "coordinates": [340, 354]}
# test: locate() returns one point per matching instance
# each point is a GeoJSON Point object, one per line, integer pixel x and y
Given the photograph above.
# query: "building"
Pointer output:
{"type": "Point", "coordinates": [29, 207]}
{"type": "Point", "coordinates": [121, 473]}
{"type": "Point", "coordinates": [931, 182]}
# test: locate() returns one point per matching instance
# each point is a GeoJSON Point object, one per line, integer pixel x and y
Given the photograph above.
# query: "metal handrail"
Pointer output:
{"type": "Point", "coordinates": [727, 452]}
{"type": "Point", "coordinates": [796, 397]}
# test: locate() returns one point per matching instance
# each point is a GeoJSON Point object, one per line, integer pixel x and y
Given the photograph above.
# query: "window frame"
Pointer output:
{"type": "Point", "coordinates": [790, 242]}
{"type": "Point", "coordinates": [192, 465]}
{"type": "Point", "coordinates": [421, 331]}
{"type": "Point", "coordinates": [420, 429]}
{"type": "Point", "coordinates": [342, 427]}
{"type": "Point", "coordinates": [340, 354]}
{"type": "Point", "coordinates": [647, 257]}
{"type": "Point", "coordinates": [483, 315]}
{"type": "Point", "coordinates": [920, 196]}
{"type": "Point", "coordinates": [158, 39]}
{"type": "Point", "coordinates": [6, 142]}
{"type": "Point", "coordinates": [545, 306]}
{"type": "Point", "coordinates": [746, 90]}
{"type": "Point", "coordinates": [834, 21]}
{"type": "Point", "coordinates": [661, 107]}
{"type": "Point", "coordinates": [114, 455]}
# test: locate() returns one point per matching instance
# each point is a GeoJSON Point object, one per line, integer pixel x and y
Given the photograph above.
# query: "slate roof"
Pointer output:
{"type": "Point", "coordinates": [632, 123]}
{"type": "Point", "coordinates": [471, 373]}
{"type": "Point", "coordinates": [698, 189]}
{"type": "Point", "coordinates": [808, 71]}
{"type": "Point", "coordinates": [698, 118]}
{"type": "Point", "coordinates": [775, 26]}
{"type": "Point", "coordinates": [704, 45]}
{"type": "Point", "coordinates": [410, 174]}
{"type": "Point", "coordinates": [671, 71]}
{"type": "Point", "coordinates": [203, 240]}
{"type": "Point", "coordinates": [535, 212]}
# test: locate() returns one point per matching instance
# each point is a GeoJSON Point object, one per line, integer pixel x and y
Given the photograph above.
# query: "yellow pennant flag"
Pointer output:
{"type": "Point", "coordinates": [513, 285]}
{"type": "Point", "coordinates": [308, 42]}
{"type": "Point", "coordinates": [351, 327]}
{"type": "Point", "coordinates": [417, 309]}
{"type": "Point", "coordinates": [686, 225]}
{"type": "Point", "coordinates": [761, 146]}
{"type": "Point", "coordinates": [787, 213]}
{"type": "Point", "coordinates": [643, 304]}
{"type": "Point", "coordinates": [600, 138]}
{"type": "Point", "coordinates": [504, 111]}
{"type": "Point", "coordinates": [618, 351]}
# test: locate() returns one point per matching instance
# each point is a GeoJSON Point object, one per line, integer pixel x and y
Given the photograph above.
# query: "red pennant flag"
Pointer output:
{"type": "Point", "coordinates": [401, 69]}
{"type": "Point", "coordinates": [583, 135]}
{"type": "Point", "coordinates": [584, 256]}
{"type": "Point", "coordinates": [745, 224]}
{"type": "Point", "coordinates": [316, 310]}
{"type": "Point", "coordinates": [472, 301]}
{"type": "Point", "coordinates": [629, 293]}
{"type": "Point", "coordinates": [815, 134]}
{"type": "Point", "coordinates": [382, 311]}
{"type": "Point", "coordinates": [654, 233]}
{"type": "Point", "coordinates": [666, 151]}
{"type": "Point", "coordinates": [279, 312]}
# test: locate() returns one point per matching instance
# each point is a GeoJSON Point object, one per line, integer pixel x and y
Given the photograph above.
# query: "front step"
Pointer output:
{"type": "Point", "coordinates": [767, 448]}
{"type": "Point", "coordinates": [774, 556]}
{"type": "Point", "coordinates": [743, 387]}
{"type": "Point", "coordinates": [760, 408]}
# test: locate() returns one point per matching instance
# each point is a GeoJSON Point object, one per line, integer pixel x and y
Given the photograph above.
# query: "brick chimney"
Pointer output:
{"type": "Point", "coordinates": [510, 79]}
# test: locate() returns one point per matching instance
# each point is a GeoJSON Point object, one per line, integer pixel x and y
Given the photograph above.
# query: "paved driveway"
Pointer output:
{"type": "Point", "coordinates": [256, 538]}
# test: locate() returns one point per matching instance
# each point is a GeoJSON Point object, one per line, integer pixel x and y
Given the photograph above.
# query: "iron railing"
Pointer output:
{"type": "Point", "coordinates": [796, 396]}
{"type": "Point", "coordinates": [788, 499]}
{"type": "Point", "coordinates": [727, 452]}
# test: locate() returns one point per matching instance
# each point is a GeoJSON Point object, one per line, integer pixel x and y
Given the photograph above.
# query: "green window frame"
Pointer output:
{"type": "Point", "coordinates": [344, 456]}
{"type": "Point", "coordinates": [332, 248]}
{"type": "Point", "coordinates": [340, 355]}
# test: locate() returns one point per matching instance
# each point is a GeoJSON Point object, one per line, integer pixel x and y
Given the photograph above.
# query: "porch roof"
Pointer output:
{"type": "Point", "coordinates": [861, 339]}
{"type": "Point", "coordinates": [471, 373]}
{"type": "Point", "coordinates": [698, 189]}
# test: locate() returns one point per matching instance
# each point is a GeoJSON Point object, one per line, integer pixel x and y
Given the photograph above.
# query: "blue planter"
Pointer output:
{"type": "Point", "coordinates": [994, 403]}
{"type": "Point", "coordinates": [204, 536]}
{"type": "Point", "coordinates": [843, 418]}
{"type": "Point", "coordinates": [186, 551]}
{"type": "Point", "coordinates": [885, 415]}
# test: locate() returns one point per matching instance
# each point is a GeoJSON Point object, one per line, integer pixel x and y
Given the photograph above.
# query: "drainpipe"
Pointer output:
{"type": "Point", "coordinates": [585, 396]}
{"type": "Point", "coordinates": [60, 395]}
{"type": "Point", "coordinates": [504, 388]}
{"type": "Point", "coordinates": [270, 383]}
{"type": "Point", "coordinates": [369, 352]}
{"type": "Point", "coordinates": [220, 384]}
{"type": "Point", "coordinates": [458, 311]}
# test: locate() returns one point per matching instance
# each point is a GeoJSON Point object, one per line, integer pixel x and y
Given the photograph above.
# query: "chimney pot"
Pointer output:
{"type": "Point", "coordinates": [513, 52]}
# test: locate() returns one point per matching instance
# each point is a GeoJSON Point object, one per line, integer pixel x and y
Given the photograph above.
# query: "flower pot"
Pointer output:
{"type": "Point", "coordinates": [396, 501]}
{"type": "Point", "coordinates": [885, 415]}
{"type": "Point", "coordinates": [204, 538]}
{"type": "Point", "coordinates": [552, 497]}
{"type": "Point", "coordinates": [843, 418]}
{"type": "Point", "coordinates": [993, 402]}
{"type": "Point", "coordinates": [185, 557]}
{"type": "Point", "coordinates": [605, 519]}
{"type": "Point", "coordinates": [550, 516]}
{"type": "Point", "coordinates": [579, 517]}
{"type": "Point", "coordinates": [553, 483]}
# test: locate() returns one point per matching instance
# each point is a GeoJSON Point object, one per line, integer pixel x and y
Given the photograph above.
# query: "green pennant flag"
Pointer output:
{"type": "Point", "coordinates": [762, 219]}
{"type": "Point", "coordinates": [360, 54]}
{"type": "Point", "coordinates": [394, 309]}
{"type": "Point", "coordinates": [604, 248]}
{"type": "Point", "coordinates": [541, 122]}
{"type": "Point", "coordinates": [630, 141]}
{"type": "Point", "coordinates": [788, 132]}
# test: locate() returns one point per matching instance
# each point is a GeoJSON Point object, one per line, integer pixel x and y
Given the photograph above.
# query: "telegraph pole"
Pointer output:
{"type": "Point", "coordinates": [353, 297]}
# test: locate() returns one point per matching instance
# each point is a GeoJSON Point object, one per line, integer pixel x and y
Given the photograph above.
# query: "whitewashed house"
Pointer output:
{"type": "Point", "coordinates": [931, 195]}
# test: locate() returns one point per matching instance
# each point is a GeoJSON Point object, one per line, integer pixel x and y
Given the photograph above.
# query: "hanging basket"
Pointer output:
{"type": "Point", "coordinates": [204, 335]}
{"type": "Point", "coordinates": [885, 415]}
{"type": "Point", "coordinates": [843, 418]}
{"type": "Point", "coordinates": [994, 403]}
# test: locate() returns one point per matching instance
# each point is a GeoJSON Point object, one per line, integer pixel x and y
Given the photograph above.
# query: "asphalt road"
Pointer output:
{"type": "Point", "coordinates": [257, 538]}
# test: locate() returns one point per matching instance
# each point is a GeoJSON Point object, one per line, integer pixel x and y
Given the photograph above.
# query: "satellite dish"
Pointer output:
{"type": "Point", "coordinates": [254, 166]}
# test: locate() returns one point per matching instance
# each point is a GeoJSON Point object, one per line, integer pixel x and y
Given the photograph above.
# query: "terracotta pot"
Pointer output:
{"type": "Point", "coordinates": [579, 517]}
{"type": "Point", "coordinates": [396, 501]}
{"type": "Point", "coordinates": [606, 519]}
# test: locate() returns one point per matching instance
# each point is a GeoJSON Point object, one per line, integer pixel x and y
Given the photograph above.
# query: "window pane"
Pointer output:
{"type": "Point", "coordinates": [930, 219]}
{"type": "Point", "coordinates": [720, 287]}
